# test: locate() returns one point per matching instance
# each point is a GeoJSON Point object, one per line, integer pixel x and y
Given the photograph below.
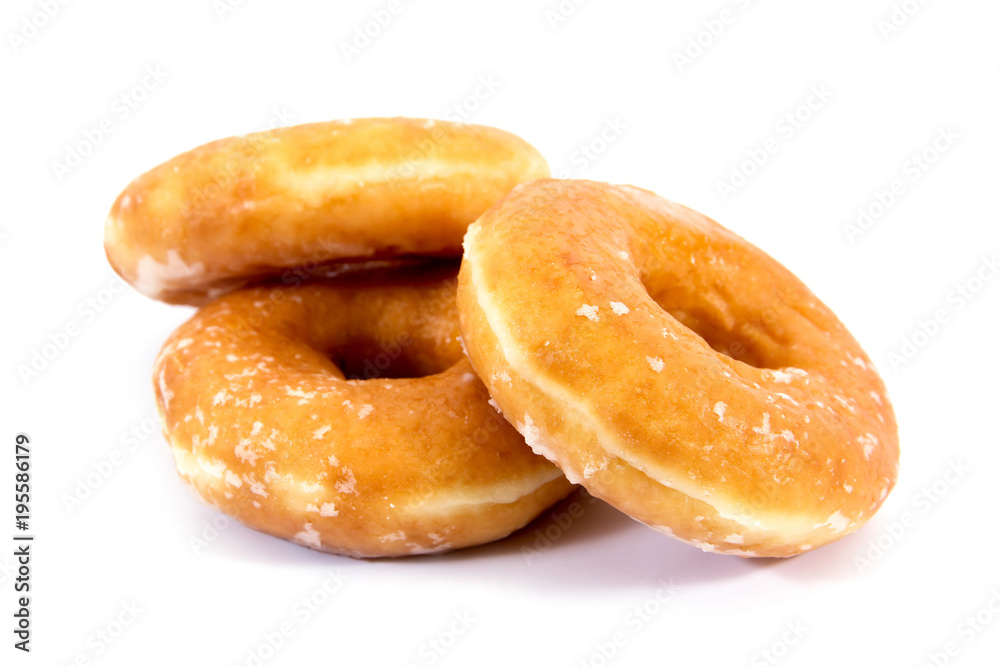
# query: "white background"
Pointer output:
{"type": "Point", "coordinates": [684, 128]}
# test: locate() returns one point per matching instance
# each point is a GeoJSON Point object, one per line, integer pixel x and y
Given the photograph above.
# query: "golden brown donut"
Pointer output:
{"type": "Point", "coordinates": [233, 210]}
{"type": "Point", "coordinates": [409, 458]}
{"type": "Point", "coordinates": [674, 369]}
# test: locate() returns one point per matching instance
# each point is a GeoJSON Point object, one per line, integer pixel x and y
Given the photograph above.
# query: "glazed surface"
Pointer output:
{"type": "Point", "coordinates": [674, 369]}
{"type": "Point", "coordinates": [232, 211]}
{"type": "Point", "coordinates": [402, 455]}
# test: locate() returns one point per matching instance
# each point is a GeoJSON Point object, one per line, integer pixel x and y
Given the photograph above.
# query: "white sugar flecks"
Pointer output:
{"type": "Point", "coordinates": [619, 308]}
{"type": "Point", "coordinates": [588, 311]}
{"type": "Point", "coordinates": [398, 536]}
{"type": "Point", "coordinates": [503, 375]}
{"type": "Point", "coordinates": [215, 468]}
{"type": "Point", "coordinates": [836, 521]}
{"type": "Point", "coordinates": [868, 441]}
{"type": "Point", "coordinates": [245, 451]}
{"type": "Point", "coordinates": [347, 484]}
{"type": "Point", "coordinates": [308, 536]}
{"type": "Point", "coordinates": [765, 428]}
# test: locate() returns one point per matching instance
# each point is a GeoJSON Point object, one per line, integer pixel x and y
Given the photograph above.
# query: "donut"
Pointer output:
{"type": "Point", "coordinates": [343, 416]}
{"type": "Point", "coordinates": [674, 370]}
{"type": "Point", "coordinates": [240, 209]}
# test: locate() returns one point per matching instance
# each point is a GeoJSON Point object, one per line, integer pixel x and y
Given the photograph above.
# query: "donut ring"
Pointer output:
{"type": "Point", "coordinates": [264, 426]}
{"type": "Point", "coordinates": [217, 217]}
{"type": "Point", "coordinates": [674, 370]}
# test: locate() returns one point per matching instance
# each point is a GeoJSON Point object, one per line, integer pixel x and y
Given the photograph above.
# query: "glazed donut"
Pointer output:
{"type": "Point", "coordinates": [343, 416]}
{"type": "Point", "coordinates": [235, 210]}
{"type": "Point", "coordinates": [674, 370]}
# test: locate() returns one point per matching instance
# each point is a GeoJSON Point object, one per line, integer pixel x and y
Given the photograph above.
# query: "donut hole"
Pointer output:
{"type": "Point", "coordinates": [392, 322]}
{"type": "Point", "coordinates": [370, 359]}
{"type": "Point", "coordinates": [753, 339]}
{"type": "Point", "coordinates": [742, 344]}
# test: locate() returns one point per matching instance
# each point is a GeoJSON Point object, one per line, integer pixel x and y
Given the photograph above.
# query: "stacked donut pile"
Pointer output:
{"type": "Point", "coordinates": [356, 383]}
